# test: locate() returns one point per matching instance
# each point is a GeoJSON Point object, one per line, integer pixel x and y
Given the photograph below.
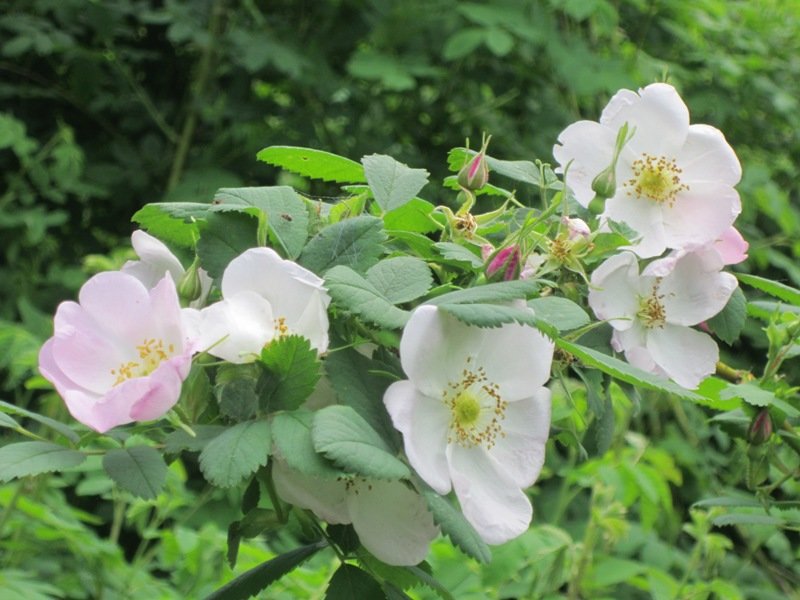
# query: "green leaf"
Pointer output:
{"type": "Point", "coordinates": [454, 525]}
{"type": "Point", "coordinates": [343, 436]}
{"type": "Point", "coordinates": [773, 288]}
{"type": "Point", "coordinates": [750, 393]}
{"type": "Point", "coordinates": [608, 570]}
{"type": "Point", "coordinates": [710, 388]}
{"type": "Point", "coordinates": [258, 578]}
{"type": "Point", "coordinates": [173, 222]}
{"type": "Point", "coordinates": [458, 253]}
{"type": "Point", "coordinates": [291, 435]}
{"type": "Point", "coordinates": [6, 421]}
{"type": "Point", "coordinates": [47, 421]}
{"type": "Point", "coordinates": [180, 440]}
{"type": "Point", "coordinates": [728, 324]}
{"type": "Point", "coordinates": [315, 164]}
{"type": "Point", "coordinates": [286, 214]}
{"type": "Point", "coordinates": [356, 243]}
{"type": "Point", "coordinates": [463, 42]}
{"type": "Point", "coordinates": [349, 582]}
{"type": "Point", "coordinates": [504, 291]}
{"type": "Point", "coordinates": [498, 41]}
{"type": "Point", "coordinates": [295, 370]}
{"type": "Point", "coordinates": [32, 458]}
{"type": "Point", "coordinates": [236, 453]}
{"type": "Point", "coordinates": [401, 278]}
{"type": "Point", "coordinates": [392, 183]}
{"type": "Point", "coordinates": [237, 397]}
{"type": "Point", "coordinates": [225, 236]}
{"type": "Point", "coordinates": [746, 518]}
{"type": "Point", "coordinates": [415, 215]}
{"type": "Point", "coordinates": [352, 292]}
{"type": "Point", "coordinates": [139, 470]}
{"type": "Point", "coordinates": [490, 315]}
{"type": "Point", "coordinates": [518, 170]}
{"type": "Point", "coordinates": [625, 372]}
{"type": "Point", "coordinates": [561, 313]}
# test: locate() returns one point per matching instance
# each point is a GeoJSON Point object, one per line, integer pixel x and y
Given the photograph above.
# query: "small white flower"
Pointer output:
{"type": "Point", "coordinates": [264, 297]}
{"type": "Point", "coordinates": [475, 415]}
{"type": "Point", "coordinates": [652, 313]}
{"type": "Point", "coordinates": [674, 180]}
{"type": "Point", "coordinates": [391, 520]}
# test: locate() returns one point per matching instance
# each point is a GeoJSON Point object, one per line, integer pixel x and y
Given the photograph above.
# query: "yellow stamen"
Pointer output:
{"type": "Point", "coordinates": [656, 178]}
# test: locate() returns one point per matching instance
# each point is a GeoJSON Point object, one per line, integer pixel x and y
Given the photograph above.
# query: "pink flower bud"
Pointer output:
{"type": "Point", "coordinates": [505, 265]}
{"type": "Point", "coordinates": [576, 228]}
{"type": "Point", "coordinates": [760, 428]}
{"type": "Point", "coordinates": [475, 174]}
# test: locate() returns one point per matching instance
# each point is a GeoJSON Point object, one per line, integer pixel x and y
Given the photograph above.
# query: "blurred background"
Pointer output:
{"type": "Point", "coordinates": [106, 105]}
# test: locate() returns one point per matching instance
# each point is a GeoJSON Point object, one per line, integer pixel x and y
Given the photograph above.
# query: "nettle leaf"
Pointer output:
{"type": "Point", "coordinates": [285, 211]}
{"type": "Point", "coordinates": [356, 243]}
{"type": "Point", "coordinates": [342, 435]}
{"type": "Point", "coordinates": [773, 288]}
{"type": "Point", "coordinates": [458, 253]}
{"type": "Point", "coordinates": [504, 291]}
{"type": "Point", "coordinates": [625, 372]}
{"type": "Point", "coordinates": [32, 458]}
{"type": "Point", "coordinates": [314, 164]}
{"type": "Point", "coordinates": [560, 312]}
{"type": "Point", "coordinates": [728, 324]}
{"type": "Point", "coordinates": [294, 372]}
{"type": "Point", "coordinates": [392, 183]}
{"type": "Point", "coordinates": [454, 525]}
{"type": "Point", "coordinates": [349, 582]}
{"type": "Point", "coordinates": [401, 278]}
{"type": "Point", "coordinates": [236, 453]}
{"type": "Point", "coordinates": [357, 295]}
{"type": "Point", "coordinates": [490, 315]}
{"type": "Point", "coordinates": [258, 578]}
{"type": "Point", "coordinates": [224, 237]}
{"type": "Point", "coordinates": [139, 470]}
{"type": "Point", "coordinates": [173, 222]}
{"type": "Point", "coordinates": [415, 215]}
{"type": "Point", "coordinates": [291, 436]}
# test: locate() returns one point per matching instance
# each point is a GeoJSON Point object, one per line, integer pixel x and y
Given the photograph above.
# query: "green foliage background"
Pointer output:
{"type": "Point", "coordinates": [105, 106]}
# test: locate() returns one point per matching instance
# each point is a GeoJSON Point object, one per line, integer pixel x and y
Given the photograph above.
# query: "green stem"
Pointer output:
{"type": "Point", "coordinates": [118, 518]}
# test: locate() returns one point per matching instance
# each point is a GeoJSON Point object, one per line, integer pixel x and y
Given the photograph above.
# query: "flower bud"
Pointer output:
{"type": "Point", "coordinates": [505, 265]}
{"type": "Point", "coordinates": [190, 287]}
{"type": "Point", "coordinates": [605, 183]}
{"type": "Point", "coordinates": [760, 428]}
{"type": "Point", "coordinates": [475, 174]}
{"type": "Point", "coordinates": [576, 228]}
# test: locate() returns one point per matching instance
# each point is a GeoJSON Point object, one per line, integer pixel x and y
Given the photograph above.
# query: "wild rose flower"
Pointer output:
{"type": "Point", "coordinates": [652, 313]}
{"type": "Point", "coordinates": [475, 415]}
{"type": "Point", "coordinates": [121, 353]}
{"type": "Point", "coordinates": [391, 520]}
{"type": "Point", "coordinates": [674, 180]}
{"type": "Point", "coordinates": [265, 297]}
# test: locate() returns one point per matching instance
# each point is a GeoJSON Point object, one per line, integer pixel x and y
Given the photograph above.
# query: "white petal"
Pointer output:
{"type": "Point", "coordinates": [613, 295]}
{"type": "Point", "coordinates": [326, 498]}
{"type": "Point", "coordinates": [686, 355]}
{"type": "Point", "coordinates": [643, 216]}
{"type": "Point", "coordinates": [590, 147]}
{"type": "Point", "coordinates": [493, 504]}
{"type": "Point", "coordinates": [237, 328]}
{"type": "Point", "coordinates": [707, 156]}
{"type": "Point", "coordinates": [424, 423]}
{"type": "Point", "coordinates": [691, 294]}
{"type": "Point", "coordinates": [519, 454]}
{"type": "Point", "coordinates": [392, 521]}
{"type": "Point", "coordinates": [156, 260]}
{"type": "Point", "coordinates": [700, 214]}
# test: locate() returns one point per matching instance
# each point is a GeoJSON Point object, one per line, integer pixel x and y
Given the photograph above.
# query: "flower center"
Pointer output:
{"type": "Point", "coordinates": [281, 329]}
{"type": "Point", "coordinates": [152, 352]}
{"type": "Point", "coordinates": [651, 311]}
{"type": "Point", "coordinates": [476, 408]}
{"type": "Point", "coordinates": [657, 178]}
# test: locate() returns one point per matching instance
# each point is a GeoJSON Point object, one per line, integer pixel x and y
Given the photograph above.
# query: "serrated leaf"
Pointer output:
{"type": "Point", "coordinates": [33, 458]}
{"type": "Point", "coordinates": [458, 253]}
{"type": "Point", "coordinates": [139, 470]}
{"type": "Point", "coordinates": [291, 435]}
{"type": "Point", "coordinates": [428, 580]}
{"type": "Point", "coordinates": [349, 582]}
{"type": "Point", "coordinates": [173, 222]}
{"type": "Point", "coordinates": [750, 393]}
{"type": "Point", "coordinates": [47, 421]}
{"type": "Point", "coordinates": [251, 582]}
{"type": "Point", "coordinates": [357, 295]}
{"type": "Point", "coordinates": [343, 436]}
{"type": "Point", "coordinates": [728, 324]}
{"type": "Point", "coordinates": [392, 183]}
{"type": "Point", "coordinates": [490, 315]}
{"type": "Point", "coordinates": [504, 291]}
{"type": "Point", "coordinates": [728, 501]}
{"type": "Point", "coordinates": [224, 237]}
{"type": "Point", "coordinates": [287, 217]}
{"type": "Point", "coordinates": [180, 440]}
{"type": "Point", "coordinates": [560, 312]}
{"type": "Point", "coordinates": [454, 525]}
{"type": "Point", "coordinates": [315, 164]}
{"type": "Point", "coordinates": [751, 518]}
{"type": "Point", "coordinates": [294, 372]}
{"type": "Point", "coordinates": [236, 397]}
{"type": "Point", "coordinates": [356, 243]}
{"type": "Point", "coordinates": [236, 453]}
{"type": "Point", "coordinates": [625, 372]}
{"type": "Point", "coordinates": [773, 288]}
{"type": "Point", "coordinates": [401, 278]}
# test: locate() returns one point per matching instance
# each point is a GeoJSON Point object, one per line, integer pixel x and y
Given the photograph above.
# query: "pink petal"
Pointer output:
{"type": "Point", "coordinates": [731, 246]}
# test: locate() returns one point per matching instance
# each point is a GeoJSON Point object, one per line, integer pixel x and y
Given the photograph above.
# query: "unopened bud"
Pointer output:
{"type": "Point", "coordinates": [190, 287]}
{"type": "Point", "coordinates": [576, 228]}
{"type": "Point", "coordinates": [760, 428]}
{"type": "Point", "coordinates": [505, 265]}
{"type": "Point", "coordinates": [475, 174]}
{"type": "Point", "coordinates": [605, 184]}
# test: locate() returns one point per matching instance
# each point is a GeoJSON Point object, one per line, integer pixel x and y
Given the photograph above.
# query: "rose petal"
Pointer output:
{"type": "Point", "coordinates": [707, 156]}
{"type": "Point", "coordinates": [325, 498]}
{"type": "Point", "coordinates": [237, 328]}
{"type": "Point", "coordinates": [686, 355]}
{"type": "Point", "coordinates": [613, 295]}
{"type": "Point", "coordinates": [590, 147]}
